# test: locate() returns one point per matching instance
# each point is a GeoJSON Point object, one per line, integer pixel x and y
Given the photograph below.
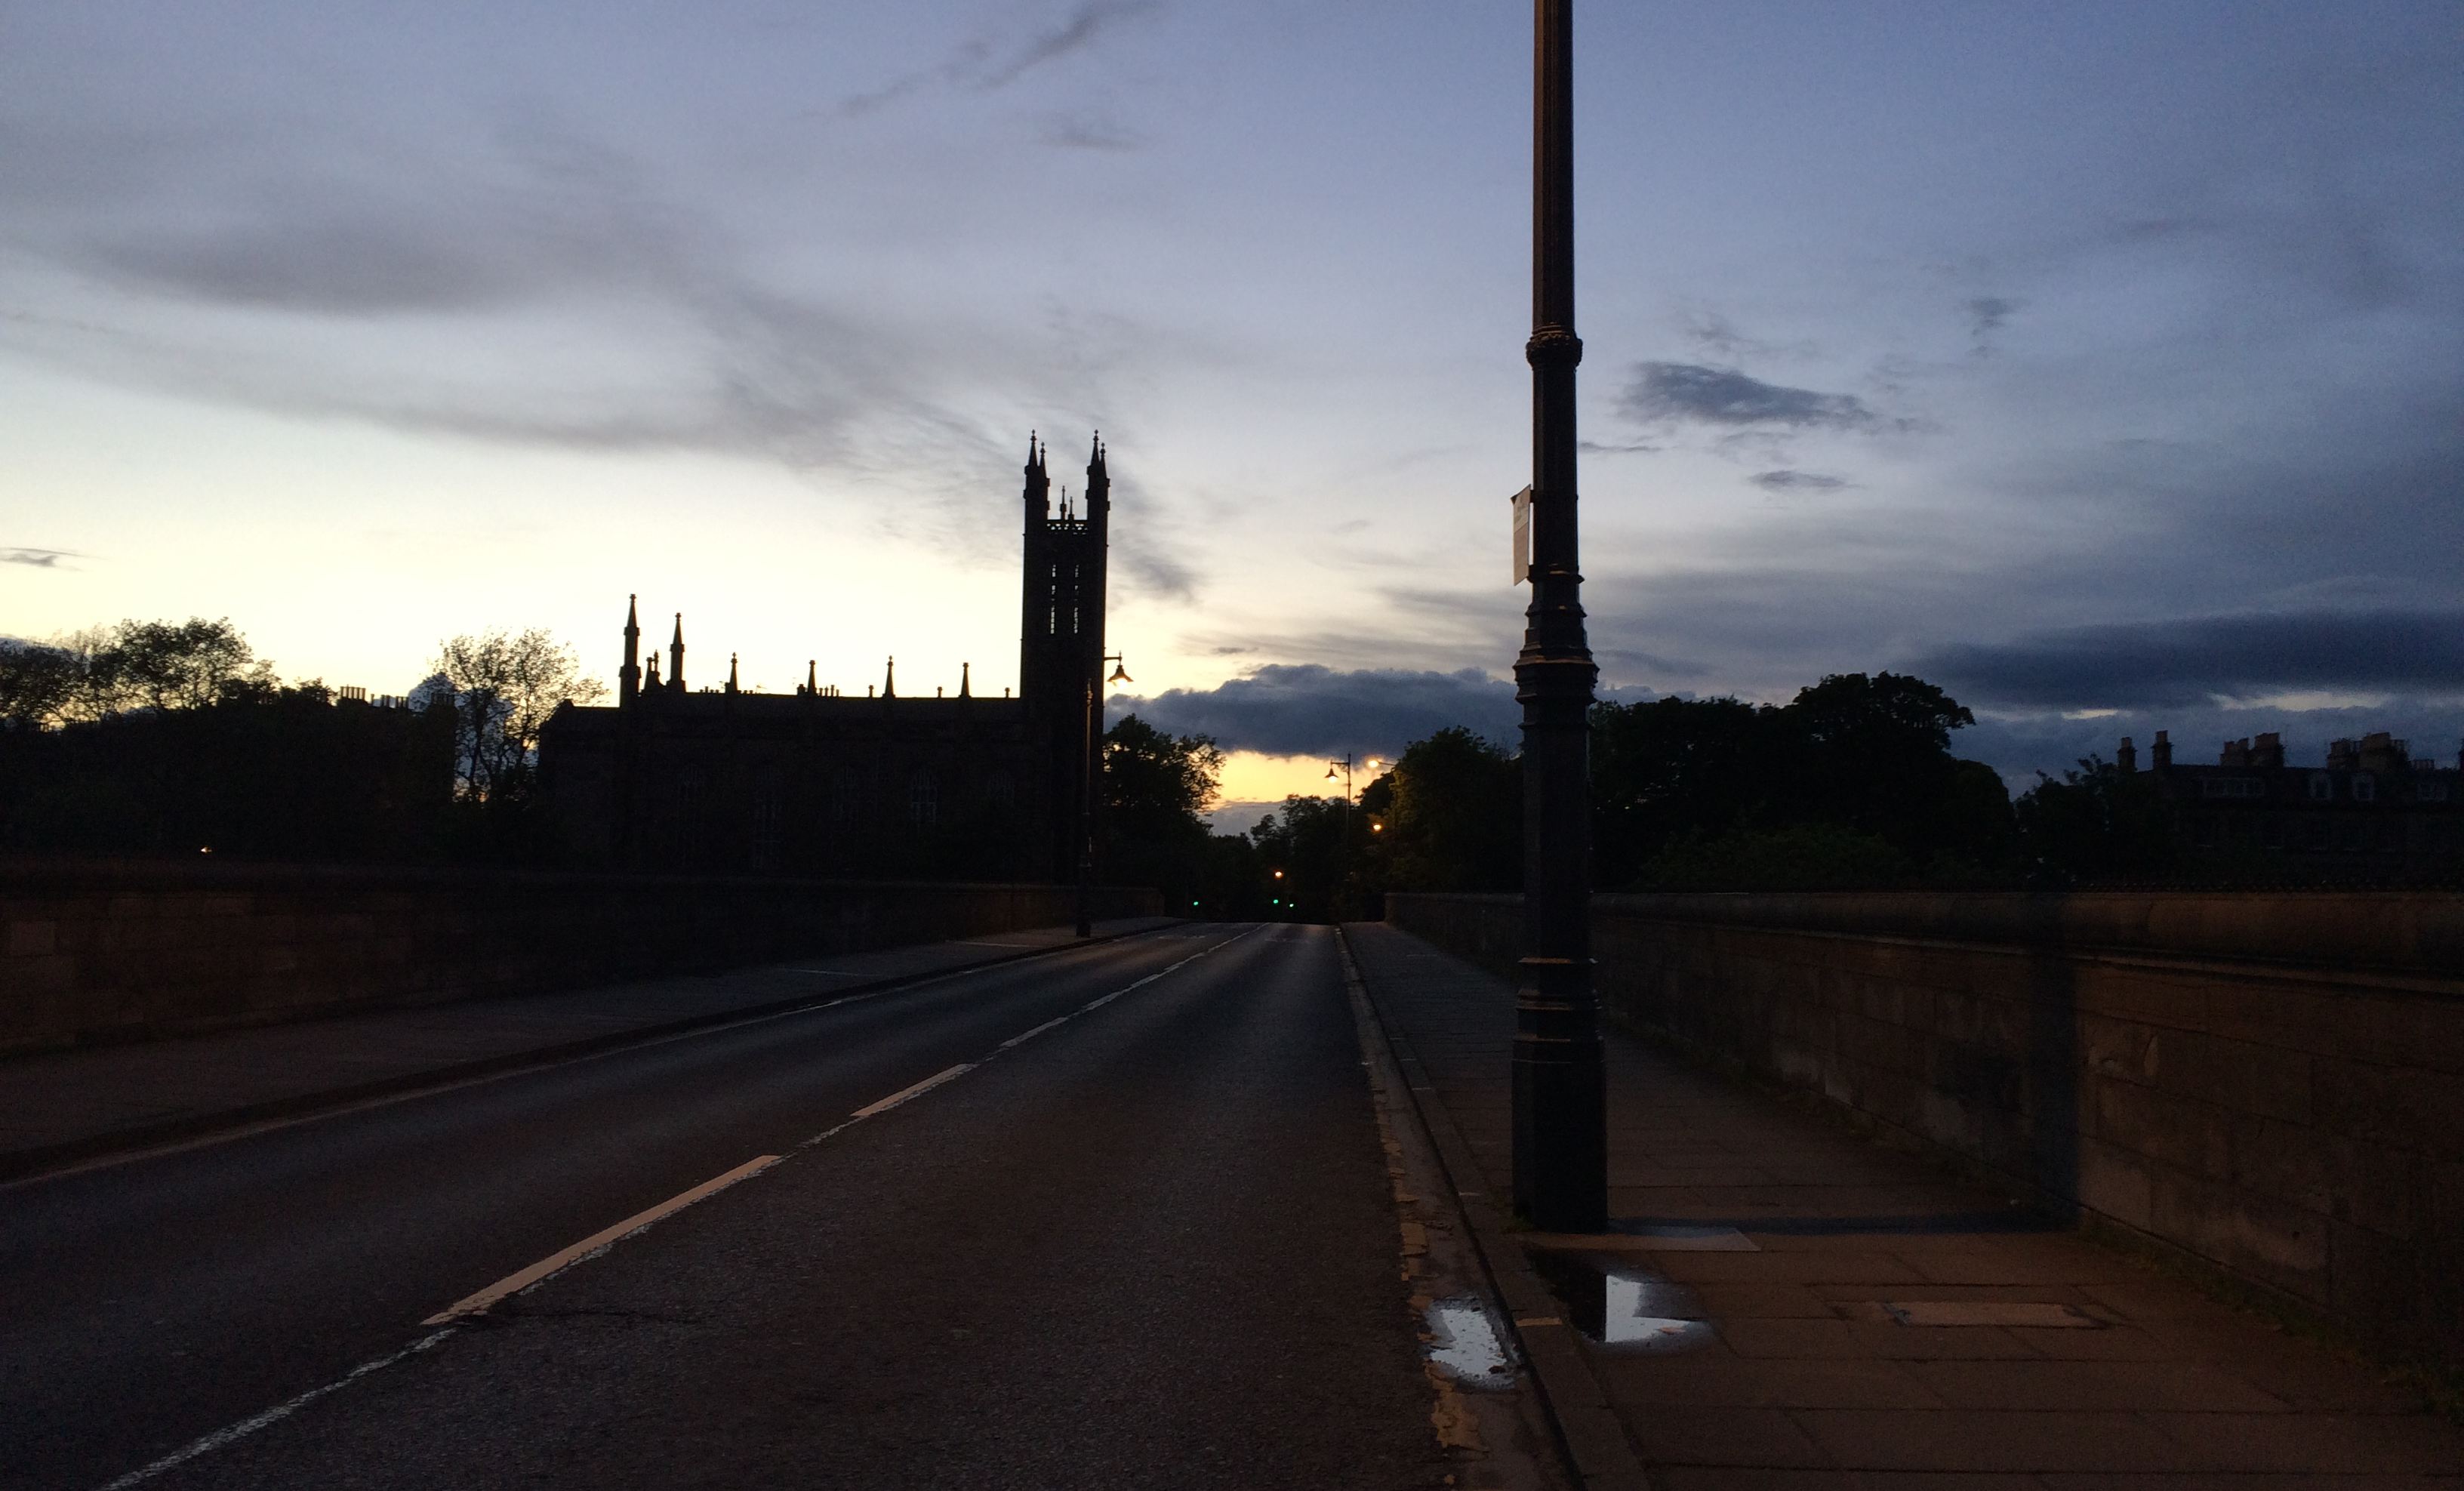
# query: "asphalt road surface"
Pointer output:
{"type": "Point", "coordinates": [1143, 1240]}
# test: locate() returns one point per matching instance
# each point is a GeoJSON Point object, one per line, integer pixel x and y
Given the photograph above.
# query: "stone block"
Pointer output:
{"type": "Point", "coordinates": [2399, 1107]}
{"type": "Point", "coordinates": [2271, 1241]}
{"type": "Point", "coordinates": [2240, 1074]}
{"type": "Point", "coordinates": [2377, 1280]}
{"type": "Point", "coordinates": [2191, 1136]}
{"type": "Point", "coordinates": [2132, 990]}
{"type": "Point", "coordinates": [2122, 1050]}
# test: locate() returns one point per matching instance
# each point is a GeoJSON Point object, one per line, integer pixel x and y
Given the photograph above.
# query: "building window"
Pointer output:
{"type": "Point", "coordinates": [846, 798]}
{"type": "Point", "coordinates": [2322, 787]}
{"type": "Point", "coordinates": [2365, 787]}
{"type": "Point", "coordinates": [2233, 787]}
{"type": "Point", "coordinates": [2432, 792]}
{"type": "Point", "coordinates": [923, 799]}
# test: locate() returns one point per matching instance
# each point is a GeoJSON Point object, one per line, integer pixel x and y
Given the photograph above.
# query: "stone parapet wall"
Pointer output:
{"type": "Point", "coordinates": [96, 951]}
{"type": "Point", "coordinates": [2271, 1084]}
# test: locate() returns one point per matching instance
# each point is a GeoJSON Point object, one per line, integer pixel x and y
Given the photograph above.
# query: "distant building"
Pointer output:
{"type": "Point", "coordinates": [825, 782]}
{"type": "Point", "coordinates": [2372, 805]}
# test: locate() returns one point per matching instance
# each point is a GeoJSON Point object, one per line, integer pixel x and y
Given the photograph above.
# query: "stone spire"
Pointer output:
{"type": "Point", "coordinates": [628, 683]}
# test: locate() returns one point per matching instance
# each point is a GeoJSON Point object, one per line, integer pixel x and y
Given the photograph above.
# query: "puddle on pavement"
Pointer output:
{"type": "Point", "coordinates": [1615, 1303]}
{"type": "Point", "coordinates": [1465, 1345]}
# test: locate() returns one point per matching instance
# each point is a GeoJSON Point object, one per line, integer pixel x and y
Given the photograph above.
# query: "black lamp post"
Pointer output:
{"type": "Point", "coordinates": [1560, 1127]}
{"type": "Point", "coordinates": [1087, 792]}
{"type": "Point", "coordinates": [1343, 843]}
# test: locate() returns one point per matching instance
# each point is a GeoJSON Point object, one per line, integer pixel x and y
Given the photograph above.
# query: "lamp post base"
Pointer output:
{"type": "Point", "coordinates": [1560, 1106]}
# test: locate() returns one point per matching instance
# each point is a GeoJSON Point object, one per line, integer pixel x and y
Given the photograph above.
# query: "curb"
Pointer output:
{"type": "Point", "coordinates": [1577, 1407]}
{"type": "Point", "coordinates": [29, 1164]}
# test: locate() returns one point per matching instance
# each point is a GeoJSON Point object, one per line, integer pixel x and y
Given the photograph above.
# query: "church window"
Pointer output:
{"type": "Point", "coordinates": [923, 799]}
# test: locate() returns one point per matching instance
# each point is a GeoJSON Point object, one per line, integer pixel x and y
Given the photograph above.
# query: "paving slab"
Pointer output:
{"type": "Point", "coordinates": [1878, 1324]}
{"type": "Point", "coordinates": [60, 1107]}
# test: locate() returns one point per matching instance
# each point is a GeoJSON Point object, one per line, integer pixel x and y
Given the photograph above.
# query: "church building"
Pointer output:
{"type": "Point", "coordinates": [822, 782]}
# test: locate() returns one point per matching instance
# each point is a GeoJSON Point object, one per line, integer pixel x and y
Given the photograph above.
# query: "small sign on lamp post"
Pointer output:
{"type": "Point", "coordinates": [1522, 501]}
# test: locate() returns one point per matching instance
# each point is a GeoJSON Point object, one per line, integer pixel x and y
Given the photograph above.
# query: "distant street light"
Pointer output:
{"type": "Point", "coordinates": [1087, 792]}
{"type": "Point", "coordinates": [1560, 1121]}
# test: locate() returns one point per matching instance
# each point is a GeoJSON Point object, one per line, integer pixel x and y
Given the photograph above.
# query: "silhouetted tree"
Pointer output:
{"type": "Point", "coordinates": [39, 683]}
{"type": "Point", "coordinates": [2097, 822]}
{"type": "Point", "coordinates": [1853, 777]}
{"type": "Point", "coordinates": [502, 688]}
{"type": "Point", "coordinates": [1305, 843]}
{"type": "Point", "coordinates": [1156, 791]}
{"type": "Point", "coordinates": [1452, 814]}
{"type": "Point", "coordinates": [176, 665]}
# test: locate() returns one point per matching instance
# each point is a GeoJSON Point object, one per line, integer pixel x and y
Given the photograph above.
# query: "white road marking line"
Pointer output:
{"type": "Point", "coordinates": [556, 1263]}
{"type": "Point", "coordinates": [1013, 1042]}
{"type": "Point", "coordinates": [271, 1415]}
{"type": "Point", "coordinates": [920, 1088]}
{"type": "Point", "coordinates": [1026, 1036]}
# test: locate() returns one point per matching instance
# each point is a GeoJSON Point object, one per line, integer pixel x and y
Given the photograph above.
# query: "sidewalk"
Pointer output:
{"type": "Point", "coordinates": [57, 1108]}
{"type": "Point", "coordinates": [1788, 1307]}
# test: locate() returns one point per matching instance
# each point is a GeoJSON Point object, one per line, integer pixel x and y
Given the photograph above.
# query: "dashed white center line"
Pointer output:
{"type": "Point", "coordinates": [556, 1263]}
{"type": "Point", "coordinates": [920, 1088]}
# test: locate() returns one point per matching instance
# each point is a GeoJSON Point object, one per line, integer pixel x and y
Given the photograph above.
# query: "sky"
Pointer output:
{"type": "Point", "coordinates": [2102, 364]}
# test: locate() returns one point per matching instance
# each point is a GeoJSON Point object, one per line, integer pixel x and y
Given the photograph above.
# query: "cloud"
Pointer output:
{"type": "Point", "coordinates": [1669, 393]}
{"type": "Point", "coordinates": [1987, 313]}
{"type": "Point", "coordinates": [335, 262]}
{"type": "Point", "coordinates": [1084, 132]}
{"type": "Point", "coordinates": [1307, 708]}
{"type": "Point", "coordinates": [977, 65]}
{"type": "Point", "coordinates": [40, 558]}
{"type": "Point", "coordinates": [1090, 20]}
{"type": "Point", "coordinates": [1789, 481]}
{"type": "Point", "coordinates": [2201, 659]}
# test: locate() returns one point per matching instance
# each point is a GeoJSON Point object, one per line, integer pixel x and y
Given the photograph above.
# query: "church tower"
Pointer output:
{"type": "Point", "coordinates": [1061, 641]}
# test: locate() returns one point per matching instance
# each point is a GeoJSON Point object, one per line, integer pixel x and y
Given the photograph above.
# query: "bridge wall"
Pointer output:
{"type": "Point", "coordinates": [105, 952]}
{"type": "Point", "coordinates": [2271, 1085]}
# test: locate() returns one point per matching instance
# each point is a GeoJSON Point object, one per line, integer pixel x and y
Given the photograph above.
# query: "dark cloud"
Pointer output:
{"type": "Point", "coordinates": [1665, 393]}
{"type": "Point", "coordinates": [1719, 335]}
{"type": "Point", "coordinates": [1987, 315]}
{"type": "Point", "coordinates": [375, 264]}
{"type": "Point", "coordinates": [1305, 708]}
{"type": "Point", "coordinates": [1620, 448]}
{"type": "Point", "coordinates": [980, 65]}
{"type": "Point", "coordinates": [1789, 481]}
{"type": "Point", "coordinates": [2194, 659]}
{"type": "Point", "coordinates": [40, 559]}
{"type": "Point", "coordinates": [1089, 21]}
{"type": "Point", "coordinates": [1080, 132]}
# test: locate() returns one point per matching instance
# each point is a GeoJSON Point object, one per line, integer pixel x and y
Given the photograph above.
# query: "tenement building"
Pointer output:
{"type": "Point", "coordinates": [2374, 803]}
{"type": "Point", "coordinates": [825, 782]}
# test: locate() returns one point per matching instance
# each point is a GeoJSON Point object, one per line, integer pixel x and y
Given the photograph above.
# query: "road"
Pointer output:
{"type": "Point", "coordinates": [1153, 1244]}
